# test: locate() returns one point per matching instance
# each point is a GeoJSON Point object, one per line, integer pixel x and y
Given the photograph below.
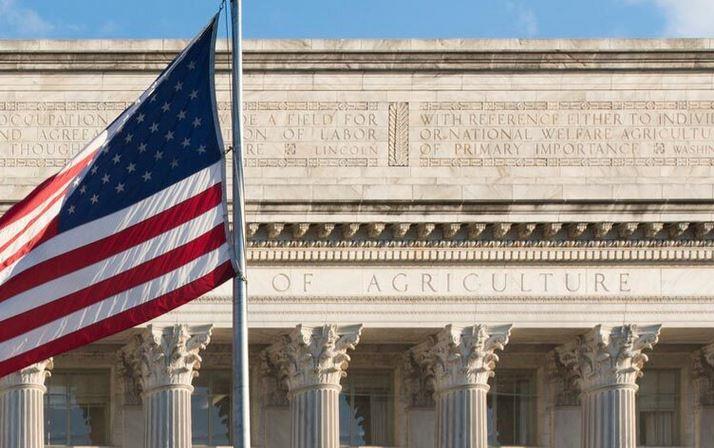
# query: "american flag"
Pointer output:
{"type": "Point", "coordinates": [134, 226]}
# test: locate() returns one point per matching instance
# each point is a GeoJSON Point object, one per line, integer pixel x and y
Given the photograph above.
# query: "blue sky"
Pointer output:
{"type": "Point", "coordinates": [83, 19]}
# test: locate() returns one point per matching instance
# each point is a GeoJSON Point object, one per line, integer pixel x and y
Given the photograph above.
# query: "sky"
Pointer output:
{"type": "Point", "coordinates": [281, 19]}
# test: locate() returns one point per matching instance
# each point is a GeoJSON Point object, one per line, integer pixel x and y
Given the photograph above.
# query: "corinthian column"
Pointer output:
{"type": "Point", "coordinates": [703, 394]}
{"type": "Point", "coordinates": [22, 407]}
{"type": "Point", "coordinates": [165, 361]}
{"type": "Point", "coordinates": [461, 361]}
{"type": "Point", "coordinates": [608, 361]}
{"type": "Point", "coordinates": [312, 361]}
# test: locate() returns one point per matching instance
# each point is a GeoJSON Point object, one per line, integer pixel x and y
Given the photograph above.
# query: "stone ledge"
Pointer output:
{"type": "Point", "coordinates": [371, 55]}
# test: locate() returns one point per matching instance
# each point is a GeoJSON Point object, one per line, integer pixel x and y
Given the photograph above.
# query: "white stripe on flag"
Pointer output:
{"type": "Point", "coordinates": [32, 231]}
{"type": "Point", "coordinates": [111, 224]}
{"type": "Point", "coordinates": [12, 229]}
{"type": "Point", "coordinates": [116, 304]}
{"type": "Point", "coordinates": [109, 267]}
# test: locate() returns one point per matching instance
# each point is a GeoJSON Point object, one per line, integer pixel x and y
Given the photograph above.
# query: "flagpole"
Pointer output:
{"type": "Point", "coordinates": [241, 396]}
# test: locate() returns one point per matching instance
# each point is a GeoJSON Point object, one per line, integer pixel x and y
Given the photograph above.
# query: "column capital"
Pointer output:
{"type": "Point", "coordinates": [703, 375]}
{"type": "Point", "coordinates": [166, 356]}
{"type": "Point", "coordinates": [564, 381]}
{"type": "Point", "coordinates": [314, 356]}
{"type": "Point", "coordinates": [417, 382]}
{"type": "Point", "coordinates": [273, 388]}
{"type": "Point", "coordinates": [463, 356]}
{"type": "Point", "coordinates": [609, 356]}
{"type": "Point", "coordinates": [33, 375]}
{"type": "Point", "coordinates": [128, 371]}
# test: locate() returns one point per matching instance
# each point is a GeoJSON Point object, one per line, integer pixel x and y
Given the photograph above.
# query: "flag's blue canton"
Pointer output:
{"type": "Point", "coordinates": [170, 135]}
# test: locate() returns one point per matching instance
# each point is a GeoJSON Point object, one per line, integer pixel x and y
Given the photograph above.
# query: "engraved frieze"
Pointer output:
{"type": "Point", "coordinates": [564, 133]}
{"type": "Point", "coordinates": [508, 149]}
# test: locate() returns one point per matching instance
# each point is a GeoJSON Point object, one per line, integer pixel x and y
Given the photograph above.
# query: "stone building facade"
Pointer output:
{"type": "Point", "coordinates": [451, 244]}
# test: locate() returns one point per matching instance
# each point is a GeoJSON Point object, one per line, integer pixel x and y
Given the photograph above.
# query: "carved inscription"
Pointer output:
{"type": "Point", "coordinates": [313, 133]}
{"type": "Point", "coordinates": [47, 134]}
{"type": "Point", "coordinates": [455, 281]}
{"type": "Point", "coordinates": [276, 134]}
{"type": "Point", "coordinates": [565, 133]}
{"type": "Point", "coordinates": [371, 134]}
{"type": "Point", "coordinates": [477, 142]}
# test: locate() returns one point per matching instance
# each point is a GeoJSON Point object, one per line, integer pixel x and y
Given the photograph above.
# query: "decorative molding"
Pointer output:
{"type": "Point", "coordinates": [128, 371]}
{"type": "Point", "coordinates": [299, 230]}
{"type": "Point", "coordinates": [424, 230]}
{"type": "Point", "coordinates": [324, 230]}
{"type": "Point", "coordinates": [375, 229]}
{"type": "Point", "coordinates": [525, 230]}
{"type": "Point", "coordinates": [449, 230]}
{"type": "Point", "coordinates": [652, 229]}
{"type": "Point", "coordinates": [166, 356]}
{"type": "Point", "coordinates": [600, 229]}
{"type": "Point", "coordinates": [677, 229]}
{"type": "Point", "coordinates": [251, 229]}
{"type": "Point", "coordinates": [456, 232]}
{"type": "Point", "coordinates": [462, 356]}
{"type": "Point", "coordinates": [32, 376]}
{"type": "Point", "coordinates": [500, 229]}
{"type": "Point", "coordinates": [475, 230]}
{"type": "Point", "coordinates": [564, 381]}
{"type": "Point", "coordinates": [551, 229]}
{"type": "Point", "coordinates": [576, 229]}
{"type": "Point", "coordinates": [416, 381]}
{"type": "Point", "coordinates": [626, 229]}
{"type": "Point", "coordinates": [702, 229]}
{"type": "Point", "coordinates": [313, 356]}
{"type": "Point", "coordinates": [702, 365]}
{"type": "Point", "coordinates": [399, 230]}
{"type": "Point", "coordinates": [274, 229]}
{"type": "Point", "coordinates": [292, 300]}
{"type": "Point", "coordinates": [349, 230]}
{"type": "Point", "coordinates": [609, 356]}
{"type": "Point", "coordinates": [273, 388]}
{"type": "Point", "coordinates": [470, 251]}
{"type": "Point", "coordinates": [398, 134]}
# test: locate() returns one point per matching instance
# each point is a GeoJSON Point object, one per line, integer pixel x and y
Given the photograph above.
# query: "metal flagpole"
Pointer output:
{"type": "Point", "coordinates": [241, 403]}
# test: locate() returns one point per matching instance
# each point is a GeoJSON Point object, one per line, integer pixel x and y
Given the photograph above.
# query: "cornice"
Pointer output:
{"type": "Point", "coordinates": [468, 234]}
{"type": "Point", "coordinates": [416, 254]}
{"type": "Point", "coordinates": [579, 242]}
{"type": "Point", "coordinates": [441, 300]}
{"type": "Point", "coordinates": [372, 55]}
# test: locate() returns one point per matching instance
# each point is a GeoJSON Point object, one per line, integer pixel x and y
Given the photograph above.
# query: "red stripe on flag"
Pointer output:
{"type": "Point", "coordinates": [43, 235]}
{"type": "Point", "coordinates": [31, 243]}
{"type": "Point", "coordinates": [121, 321]}
{"type": "Point", "coordinates": [142, 273]}
{"type": "Point", "coordinates": [131, 236]}
{"type": "Point", "coordinates": [42, 192]}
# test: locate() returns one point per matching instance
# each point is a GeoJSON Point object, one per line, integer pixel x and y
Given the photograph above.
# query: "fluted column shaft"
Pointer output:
{"type": "Point", "coordinates": [164, 362]}
{"type": "Point", "coordinates": [312, 361]}
{"type": "Point", "coordinates": [462, 418]}
{"type": "Point", "coordinates": [22, 419]}
{"type": "Point", "coordinates": [22, 407]}
{"type": "Point", "coordinates": [315, 419]}
{"type": "Point", "coordinates": [167, 414]}
{"type": "Point", "coordinates": [461, 360]}
{"type": "Point", "coordinates": [607, 362]}
{"type": "Point", "coordinates": [608, 418]}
